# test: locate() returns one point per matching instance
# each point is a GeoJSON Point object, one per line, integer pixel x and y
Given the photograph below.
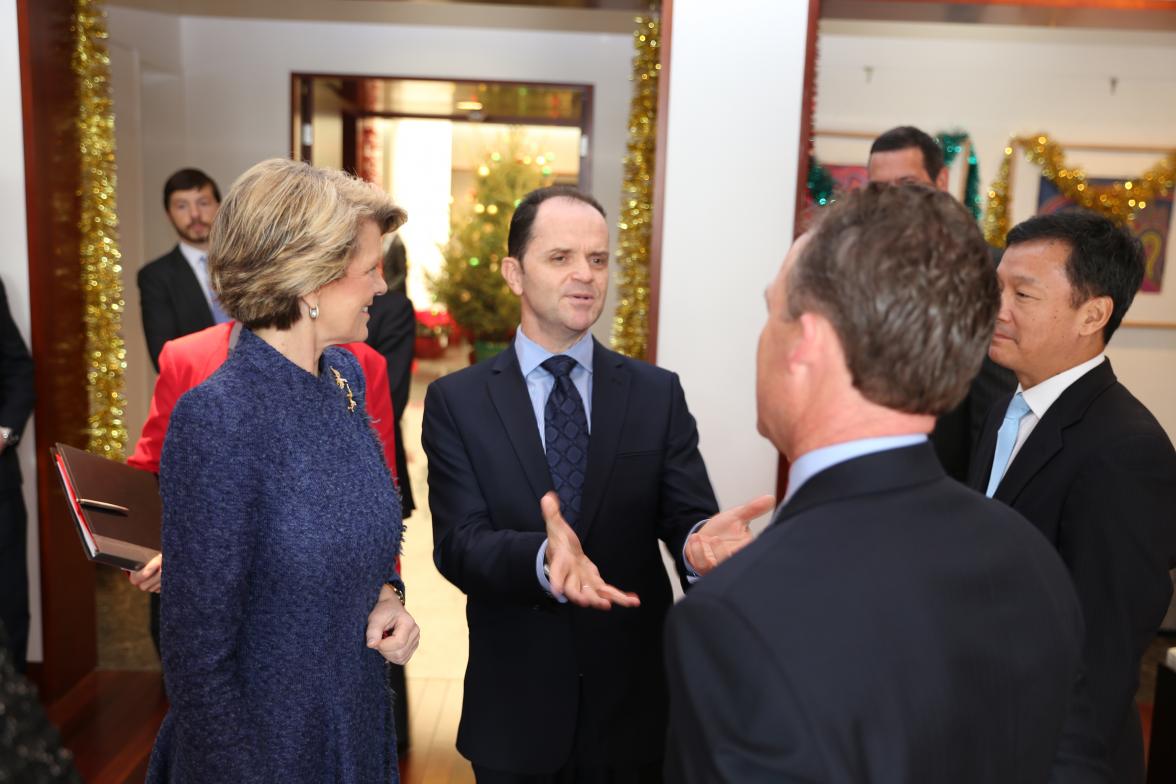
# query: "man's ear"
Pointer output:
{"type": "Point", "coordinates": [512, 273]}
{"type": "Point", "coordinates": [942, 178]}
{"type": "Point", "coordinates": [1095, 313]}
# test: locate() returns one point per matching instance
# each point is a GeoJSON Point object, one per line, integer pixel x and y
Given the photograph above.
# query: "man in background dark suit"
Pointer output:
{"type": "Point", "coordinates": [174, 292]}
{"type": "Point", "coordinates": [908, 155]}
{"type": "Point", "coordinates": [392, 332]}
{"type": "Point", "coordinates": [556, 690]}
{"type": "Point", "coordinates": [1079, 456]}
{"type": "Point", "coordinates": [16, 404]}
{"type": "Point", "coordinates": [890, 625]}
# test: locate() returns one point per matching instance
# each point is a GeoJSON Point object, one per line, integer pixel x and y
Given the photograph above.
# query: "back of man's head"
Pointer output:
{"type": "Point", "coordinates": [904, 277]}
{"type": "Point", "coordinates": [1105, 260]}
{"type": "Point", "coordinates": [188, 180]}
{"type": "Point", "coordinates": [906, 137]}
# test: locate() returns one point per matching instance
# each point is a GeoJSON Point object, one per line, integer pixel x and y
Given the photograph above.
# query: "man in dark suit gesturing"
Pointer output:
{"type": "Point", "coordinates": [556, 690]}
{"type": "Point", "coordinates": [891, 625]}
{"type": "Point", "coordinates": [1078, 455]}
{"type": "Point", "coordinates": [174, 292]}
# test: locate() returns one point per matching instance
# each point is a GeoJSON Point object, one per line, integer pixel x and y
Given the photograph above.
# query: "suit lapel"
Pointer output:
{"type": "Point", "coordinates": [980, 466]}
{"type": "Point", "coordinates": [873, 473]}
{"type": "Point", "coordinates": [610, 398]}
{"type": "Point", "coordinates": [508, 393]}
{"type": "Point", "coordinates": [1046, 439]}
{"type": "Point", "coordinates": [188, 288]}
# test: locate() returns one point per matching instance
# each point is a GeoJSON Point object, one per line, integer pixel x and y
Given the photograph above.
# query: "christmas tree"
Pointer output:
{"type": "Point", "coordinates": [469, 283]}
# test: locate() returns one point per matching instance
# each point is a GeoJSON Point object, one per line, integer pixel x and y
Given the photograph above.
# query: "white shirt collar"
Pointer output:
{"type": "Point", "coordinates": [1041, 396]}
{"type": "Point", "coordinates": [193, 255]}
{"type": "Point", "coordinates": [531, 355]}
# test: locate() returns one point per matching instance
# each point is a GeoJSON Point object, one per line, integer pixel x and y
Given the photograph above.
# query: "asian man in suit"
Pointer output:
{"type": "Point", "coordinates": [1079, 455]}
{"type": "Point", "coordinates": [890, 625]}
{"type": "Point", "coordinates": [554, 470]}
{"type": "Point", "coordinates": [175, 295]}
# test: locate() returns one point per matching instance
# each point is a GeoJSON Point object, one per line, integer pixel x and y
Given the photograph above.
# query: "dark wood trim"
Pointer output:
{"type": "Point", "coordinates": [659, 181]}
{"type": "Point", "coordinates": [1115, 5]}
{"type": "Point", "coordinates": [52, 175]}
{"type": "Point", "coordinates": [109, 722]}
{"type": "Point", "coordinates": [306, 117]}
{"type": "Point", "coordinates": [489, 119]}
{"type": "Point", "coordinates": [807, 110]}
{"type": "Point", "coordinates": [456, 80]}
{"type": "Point", "coordinates": [804, 150]}
{"type": "Point", "coordinates": [587, 129]}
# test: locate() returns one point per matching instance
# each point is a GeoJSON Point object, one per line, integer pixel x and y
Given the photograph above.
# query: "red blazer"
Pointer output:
{"type": "Point", "coordinates": [189, 360]}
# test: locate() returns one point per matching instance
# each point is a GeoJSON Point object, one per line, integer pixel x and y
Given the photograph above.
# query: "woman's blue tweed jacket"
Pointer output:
{"type": "Point", "coordinates": [281, 524]}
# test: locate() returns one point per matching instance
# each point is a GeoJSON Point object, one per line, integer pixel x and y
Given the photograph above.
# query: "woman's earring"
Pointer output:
{"type": "Point", "coordinates": [313, 312]}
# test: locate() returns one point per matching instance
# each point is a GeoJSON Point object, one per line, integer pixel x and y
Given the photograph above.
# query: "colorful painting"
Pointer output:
{"type": "Point", "coordinates": [848, 178]}
{"type": "Point", "coordinates": [1151, 226]}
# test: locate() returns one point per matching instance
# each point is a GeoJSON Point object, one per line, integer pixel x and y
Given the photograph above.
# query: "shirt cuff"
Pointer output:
{"type": "Point", "coordinates": [544, 583]}
{"type": "Point", "coordinates": [691, 576]}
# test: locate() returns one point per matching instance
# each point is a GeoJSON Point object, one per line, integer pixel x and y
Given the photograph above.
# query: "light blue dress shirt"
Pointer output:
{"type": "Point", "coordinates": [812, 463]}
{"type": "Point", "coordinates": [540, 382]}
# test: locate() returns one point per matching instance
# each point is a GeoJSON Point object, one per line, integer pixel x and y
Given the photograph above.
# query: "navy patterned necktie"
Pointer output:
{"type": "Point", "coordinates": [565, 431]}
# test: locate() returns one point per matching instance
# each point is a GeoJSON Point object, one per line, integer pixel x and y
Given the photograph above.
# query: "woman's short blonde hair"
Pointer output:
{"type": "Point", "coordinates": [286, 229]}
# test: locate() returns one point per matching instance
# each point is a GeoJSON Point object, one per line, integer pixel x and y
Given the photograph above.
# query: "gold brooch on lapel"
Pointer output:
{"type": "Point", "coordinates": [342, 384]}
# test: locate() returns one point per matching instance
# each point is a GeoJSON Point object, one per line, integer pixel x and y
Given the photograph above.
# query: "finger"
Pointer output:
{"type": "Point", "coordinates": [381, 618]}
{"type": "Point", "coordinates": [710, 560]}
{"type": "Point", "coordinates": [557, 573]}
{"type": "Point", "coordinates": [549, 506]}
{"type": "Point", "coordinates": [618, 597]}
{"type": "Point", "coordinates": [756, 507]}
{"type": "Point", "coordinates": [587, 596]}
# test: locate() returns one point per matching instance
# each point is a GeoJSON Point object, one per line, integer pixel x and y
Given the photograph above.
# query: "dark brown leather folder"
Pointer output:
{"type": "Point", "coordinates": [116, 508]}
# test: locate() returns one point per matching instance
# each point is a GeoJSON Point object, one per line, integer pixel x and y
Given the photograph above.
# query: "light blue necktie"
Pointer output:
{"type": "Point", "coordinates": [218, 315]}
{"type": "Point", "coordinates": [1006, 438]}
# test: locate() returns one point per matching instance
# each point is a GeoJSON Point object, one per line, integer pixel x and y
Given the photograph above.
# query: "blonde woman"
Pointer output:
{"type": "Point", "coordinates": [281, 523]}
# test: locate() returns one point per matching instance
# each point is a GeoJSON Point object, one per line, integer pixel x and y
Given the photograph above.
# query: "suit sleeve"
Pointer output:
{"type": "Point", "coordinates": [396, 341]}
{"type": "Point", "coordinates": [467, 549]}
{"type": "Point", "coordinates": [686, 494]}
{"type": "Point", "coordinates": [209, 487]}
{"type": "Point", "coordinates": [734, 717]}
{"type": "Point", "coordinates": [1117, 540]}
{"type": "Point", "coordinates": [16, 372]}
{"type": "Point", "coordinates": [159, 318]}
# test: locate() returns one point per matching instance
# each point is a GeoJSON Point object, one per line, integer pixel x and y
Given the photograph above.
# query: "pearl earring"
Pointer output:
{"type": "Point", "coordinates": [313, 312]}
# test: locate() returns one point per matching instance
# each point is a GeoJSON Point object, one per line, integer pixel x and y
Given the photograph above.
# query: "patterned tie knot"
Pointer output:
{"type": "Point", "coordinates": [559, 365]}
{"type": "Point", "coordinates": [1018, 408]}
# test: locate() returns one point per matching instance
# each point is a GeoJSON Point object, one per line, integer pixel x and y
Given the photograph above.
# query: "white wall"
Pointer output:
{"type": "Point", "coordinates": [995, 81]}
{"type": "Point", "coordinates": [14, 271]}
{"type": "Point", "coordinates": [734, 120]}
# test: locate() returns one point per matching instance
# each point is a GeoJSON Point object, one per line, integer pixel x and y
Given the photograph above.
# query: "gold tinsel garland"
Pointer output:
{"type": "Point", "coordinates": [99, 254]}
{"type": "Point", "coordinates": [630, 331]}
{"type": "Point", "coordinates": [1119, 201]}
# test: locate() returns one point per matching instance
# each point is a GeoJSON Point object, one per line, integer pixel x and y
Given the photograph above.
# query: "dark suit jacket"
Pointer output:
{"type": "Point", "coordinates": [1098, 477]}
{"type": "Point", "coordinates": [957, 432]}
{"type": "Point", "coordinates": [392, 332]}
{"type": "Point", "coordinates": [890, 626]}
{"type": "Point", "coordinates": [172, 301]}
{"type": "Point", "coordinates": [531, 660]}
{"type": "Point", "coordinates": [16, 391]}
